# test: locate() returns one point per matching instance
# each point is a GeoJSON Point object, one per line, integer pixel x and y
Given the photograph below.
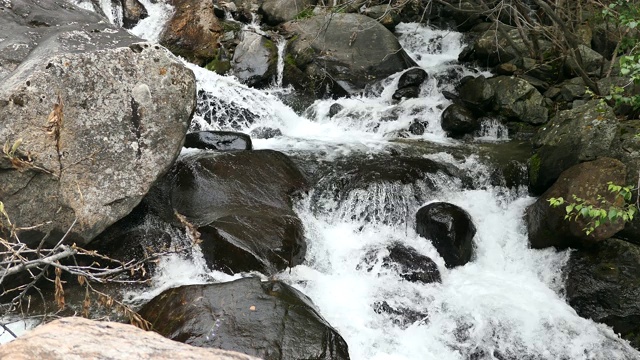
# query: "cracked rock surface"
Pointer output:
{"type": "Point", "coordinates": [100, 116]}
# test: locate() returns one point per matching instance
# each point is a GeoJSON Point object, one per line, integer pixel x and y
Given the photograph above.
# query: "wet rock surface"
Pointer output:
{"type": "Point", "coordinates": [450, 230]}
{"type": "Point", "coordinates": [271, 320]}
{"type": "Point", "coordinates": [603, 284]}
{"type": "Point", "coordinates": [218, 140]}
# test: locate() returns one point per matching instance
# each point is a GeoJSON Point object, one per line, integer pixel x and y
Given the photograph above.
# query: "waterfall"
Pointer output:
{"type": "Point", "coordinates": [281, 45]}
{"type": "Point", "coordinates": [507, 303]}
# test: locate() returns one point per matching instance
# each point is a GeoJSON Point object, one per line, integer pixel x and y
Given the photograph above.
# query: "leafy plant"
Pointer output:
{"type": "Point", "coordinates": [625, 15]}
{"type": "Point", "coordinates": [602, 211]}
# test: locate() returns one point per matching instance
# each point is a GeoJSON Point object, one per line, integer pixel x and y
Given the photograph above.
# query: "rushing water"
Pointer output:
{"type": "Point", "coordinates": [507, 303]}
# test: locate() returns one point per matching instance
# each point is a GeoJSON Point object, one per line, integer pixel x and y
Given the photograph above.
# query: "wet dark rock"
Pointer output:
{"type": "Point", "coordinates": [407, 262]}
{"type": "Point", "coordinates": [573, 136]}
{"type": "Point", "coordinates": [412, 77]}
{"type": "Point", "coordinates": [265, 133]}
{"type": "Point", "coordinates": [407, 93]}
{"type": "Point", "coordinates": [450, 230]}
{"type": "Point", "coordinates": [226, 115]}
{"type": "Point", "coordinates": [255, 59]}
{"type": "Point", "coordinates": [411, 265]}
{"type": "Point", "coordinates": [372, 54]}
{"type": "Point", "coordinates": [263, 239]}
{"type": "Point", "coordinates": [218, 140]}
{"type": "Point", "coordinates": [488, 53]}
{"type": "Point", "coordinates": [458, 121]}
{"type": "Point", "coordinates": [240, 203]}
{"type": "Point", "coordinates": [603, 284]}
{"type": "Point", "coordinates": [417, 128]}
{"type": "Point", "coordinates": [335, 109]}
{"type": "Point", "coordinates": [204, 187]}
{"type": "Point", "coordinates": [477, 94]}
{"type": "Point", "coordinates": [547, 225]}
{"type": "Point", "coordinates": [270, 320]}
{"type": "Point", "coordinates": [401, 316]}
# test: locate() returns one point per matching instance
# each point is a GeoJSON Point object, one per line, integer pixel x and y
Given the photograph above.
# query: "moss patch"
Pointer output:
{"type": "Point", "coordinates": [534, 168]}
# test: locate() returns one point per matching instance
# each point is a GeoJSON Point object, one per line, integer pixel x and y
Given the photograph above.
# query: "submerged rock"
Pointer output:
{"type": "Point", "coordinates": [409, 83]}
{"type": "Point", "coordinates": [218, 140]}
{"type": "Point", "coordinates": [94, 137]}
{"type": "Point", "coordinates": [450, 230]}
{"type": "Point", "coordinates": [547, 225]}
{"type": "Point", "coordinates": [407, 262]}
{"type": "Point", "coordinates": [603, 284]}
{"type": "Point", "coordinates": [271, 320]}
{"type": "Point", "coordinates": [400, 316]}
{"type": "Point", "coordinates": [76, 338]}
{"type": "Point", "coordinates": [265, 133]}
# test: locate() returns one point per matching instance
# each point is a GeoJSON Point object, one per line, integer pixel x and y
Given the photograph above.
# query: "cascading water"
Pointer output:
{"type": "Point", "coordinates": [507, 303]}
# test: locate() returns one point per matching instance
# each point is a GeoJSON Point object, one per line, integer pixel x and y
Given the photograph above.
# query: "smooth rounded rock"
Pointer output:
{"type": "Point", "coordinates": [450, 230]}
{"type": "Point", "coordinates": [270, 320]}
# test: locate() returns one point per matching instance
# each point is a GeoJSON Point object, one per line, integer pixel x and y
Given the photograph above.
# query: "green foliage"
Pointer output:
{"type": "Point", "coordinates": [625, 14]}
{"type": "Point", "coordinates": [602, 211]}
{"type": "Point", "coordinates": [305, 14]}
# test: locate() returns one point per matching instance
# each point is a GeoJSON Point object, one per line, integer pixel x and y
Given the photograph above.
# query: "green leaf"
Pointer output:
{"type": "Point", "coordinates": [613, 214]}
{"type": "Point", "coordinates": [584, 211]}
{"type": "Point", "coordinates": [569, 208]}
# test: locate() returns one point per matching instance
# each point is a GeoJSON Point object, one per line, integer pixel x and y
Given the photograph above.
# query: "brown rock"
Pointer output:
{"type": "Point", "coordinates": [77, 338]}
{"type": "Point", "coordinates": [547, 225]}
{"type": "Point", "coordinates": [193, 31]}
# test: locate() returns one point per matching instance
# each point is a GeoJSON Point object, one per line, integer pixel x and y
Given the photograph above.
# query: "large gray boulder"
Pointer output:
{"type": "Point", "coordinates": [352, 49]}
{"type": "Point", "coordinates": [76, 338]}
{"type": "Point", "coordinates": [516, 99]}
{"type": "Point", "coordinates": [99, 115]}
{"type": "Point", "coordinates": [279, 11]}
{"type": "Point", "coordinates": [573, 136]}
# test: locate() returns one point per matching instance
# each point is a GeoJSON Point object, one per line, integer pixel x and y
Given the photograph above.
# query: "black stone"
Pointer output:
{"type": "Point", "coordinates": [412, 77]}
{"type": "Point", "coordinates": [218, 140]}
{"type": "Point", "coordinates": [458, 121]}
{"type": "Point", "coordinates": [270, 320]}
{"type": "Point", "coordinates": [450, 230]}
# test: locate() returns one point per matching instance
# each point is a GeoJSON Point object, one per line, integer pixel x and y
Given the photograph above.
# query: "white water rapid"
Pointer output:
{"type": "Point", "coordinates": [507, 303]}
